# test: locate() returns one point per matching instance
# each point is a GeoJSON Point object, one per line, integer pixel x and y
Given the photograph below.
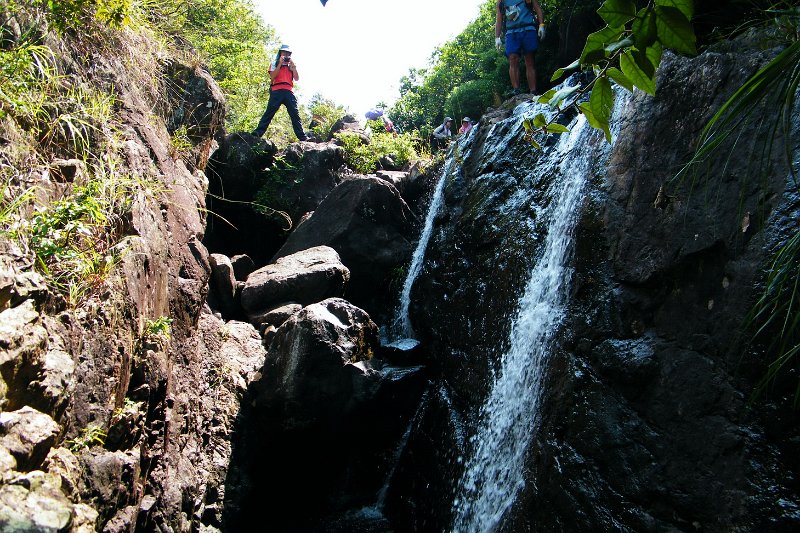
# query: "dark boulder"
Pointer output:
{"type": "Point", "coordinates": [318, 366]}
{"type": "Point", "coordinates": [308, 276]}
{"type": "Point", "coordinates": [308, 172]}
{"type": "Point", "coordinates": [222, 291]}
{"type": "Point", "coordinates": [367, 222]}
{"type": "Point", "coordinates": [275, 316]}
{"type": "Point", "coordinates": [237, 224]}
{"type": "Point", "coordinates": [243, 266]}
{"type": "Point", "coordinates": [348, 124]}
{"type": "Point", "coordinates": [326, 411]}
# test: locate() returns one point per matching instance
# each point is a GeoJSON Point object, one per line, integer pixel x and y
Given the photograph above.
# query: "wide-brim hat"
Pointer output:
{"type": "Point", "coordinates": [466, 119]}
{"type": "Point", "coordinates": [448, 119]}
{"type": "Point", "coordinates": [285, 48]}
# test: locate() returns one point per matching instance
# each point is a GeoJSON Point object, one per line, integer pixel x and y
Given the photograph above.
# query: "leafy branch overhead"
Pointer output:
{"type": "Point", "coordinates": [626, 51]}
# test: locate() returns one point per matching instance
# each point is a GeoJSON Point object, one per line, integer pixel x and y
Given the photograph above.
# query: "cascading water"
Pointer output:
{"type": "Point", "coordinates": [494, 473]}
{"type": "Point", "coordinates": [401, 325]}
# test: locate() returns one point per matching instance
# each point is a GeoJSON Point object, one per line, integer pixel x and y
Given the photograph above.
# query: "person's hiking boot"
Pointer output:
{"type": "Point", "coordinates": [514, 92]}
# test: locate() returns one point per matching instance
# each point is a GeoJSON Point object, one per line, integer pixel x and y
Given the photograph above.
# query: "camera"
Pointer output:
{"type": "Point", "coordinates": [286, 59]}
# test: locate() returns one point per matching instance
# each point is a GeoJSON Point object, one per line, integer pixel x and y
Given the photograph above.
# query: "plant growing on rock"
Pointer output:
{"type": "Point", "coordinates": [92, 435]}
{"type": "Point", "coordinates": [158, 330]}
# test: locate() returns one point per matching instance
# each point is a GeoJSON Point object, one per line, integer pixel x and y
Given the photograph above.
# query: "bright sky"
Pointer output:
{"type": "Point", "coordinates": [354, 52]}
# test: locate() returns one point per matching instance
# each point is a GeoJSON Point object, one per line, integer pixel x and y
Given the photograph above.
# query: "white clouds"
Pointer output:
{"type": "Point", "coordinates": [355, 51]}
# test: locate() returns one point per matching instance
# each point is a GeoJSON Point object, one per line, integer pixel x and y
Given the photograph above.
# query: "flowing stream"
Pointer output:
{"type": "Point", "coordinates": [401, 325]}
{"type": "Point", "coordinates": [494, 473]}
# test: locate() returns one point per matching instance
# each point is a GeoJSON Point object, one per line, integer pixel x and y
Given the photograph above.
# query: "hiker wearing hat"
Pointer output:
{"type": "Point", "coordinates": [517, 20]}
{"type": "Point", "coordinates": [466, 125]}
{"type": "Point", "coordinates": [282, 75]}
{"type": "Point", "coordinates": [442, 134]}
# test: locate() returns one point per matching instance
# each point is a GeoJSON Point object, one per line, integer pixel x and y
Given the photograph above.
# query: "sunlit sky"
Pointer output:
{"type": "Point", "coordinates": [354, 52]}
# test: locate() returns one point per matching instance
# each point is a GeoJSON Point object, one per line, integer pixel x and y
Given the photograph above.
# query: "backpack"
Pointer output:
{"type": "Point", "coordinates": [503, 7]}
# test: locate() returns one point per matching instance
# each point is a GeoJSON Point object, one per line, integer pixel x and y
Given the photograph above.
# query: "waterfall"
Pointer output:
{"type": "Point", "coordinates": [401, 325]}
{"type": "Point", "coordinates": [494, 473]}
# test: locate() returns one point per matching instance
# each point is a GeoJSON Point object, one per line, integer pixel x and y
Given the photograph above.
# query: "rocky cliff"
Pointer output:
{"type": "Point", "coordinates": [643, 422]}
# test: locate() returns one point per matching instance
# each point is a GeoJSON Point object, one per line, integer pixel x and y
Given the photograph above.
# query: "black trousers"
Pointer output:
{"type": "Point", "coordinates": [276, 99]}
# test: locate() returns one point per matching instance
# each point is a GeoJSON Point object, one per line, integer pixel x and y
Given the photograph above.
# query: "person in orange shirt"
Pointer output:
{"type": "Point", "coordinates": [282, 74]}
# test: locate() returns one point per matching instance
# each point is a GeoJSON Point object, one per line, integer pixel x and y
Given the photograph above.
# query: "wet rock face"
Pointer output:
{"type": "Point", "coordinates": [644, 424]}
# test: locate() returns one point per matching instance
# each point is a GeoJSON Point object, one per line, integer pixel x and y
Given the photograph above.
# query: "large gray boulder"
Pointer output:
{"type": "Point", "coordinates": [367, 222]}
{"type": "Point", "coordinates": [318, 366]}
{"type": "Point", "coordinates": [304, 277]}
{"type": "Point", "coordinates": [28, 435]}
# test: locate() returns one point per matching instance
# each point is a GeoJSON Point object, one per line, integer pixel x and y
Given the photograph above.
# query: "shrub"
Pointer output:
{"type": "Point", "coordinates": [326, 113]}
{"type": "Point", "coordinates": [364, 158]}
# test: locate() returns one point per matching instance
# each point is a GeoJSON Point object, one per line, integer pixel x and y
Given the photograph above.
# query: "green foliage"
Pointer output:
{"type": "Point", "coordinates": [470, 98]}
{"type": "Point", "coordinates": [776, 315]}
{"type": "Point", "coordinates": [326, 113]}
{"type": "Point", "coordinates": [236, 44]}
{"type": "Point", "coordinates": [92, 435]}
{"type": "Point", "coordinates": [363, 158]}
{"type": "Point", "coordinates": [73, 238]}
{"type": "Point", "coordinates": [426, 93]}
{"type": "Point", "coordinates": [179, 142]}
{"type": "Point", "coordinates": [76, 14]}
{"type": "Point", "coordinates": [160, 327]}
{"type": "Point", "coordinates": [627, 51]}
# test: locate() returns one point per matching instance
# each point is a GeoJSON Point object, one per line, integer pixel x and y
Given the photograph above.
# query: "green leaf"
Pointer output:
{"type": "Point", "coordinates": [561, 95]}
{"type": "Point", "coordinates": [617, 13]}
{"type": "Point", "coordinates": [644, 28]}
{"type": "Point", "coordinates": [644, 62]}
{"type": "Point", "coordinates": [593, 122]}
{"type": "Point", "coordinates": [653, 54]}
{"type": "Point", "coordinates": [684, 6]}
{"type": "Point", "coordinates": [621, 79]}
{"type": "Point", "coordinates": [675, 31]}
{"type": "Point", "coordinates": [539, 120]}
{"type": "Point", "coordinates": [637, 76]}
{"type": "Point", "coordinates": [569, 68]}
{"type": "Point", "coordinates": [546, 96]}
{"type": "Point", "coordinates": [535, 144]}
{"type": "Point", "coordinates": [528, 125]}
{"type": "Point", "coordinates": [602, 99]}
{"type": "Point", "coordinates": [596, 43]}
{"type": "Point", "coordinates": [555, 127]}
{"type": "Point", "coordinates": [627, 42]}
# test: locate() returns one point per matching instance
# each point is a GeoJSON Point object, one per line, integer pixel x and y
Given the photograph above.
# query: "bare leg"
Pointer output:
{"type": "Point", "coordinates": [530, 72]}
{"type": "Point", "coordinates": [513, 70]}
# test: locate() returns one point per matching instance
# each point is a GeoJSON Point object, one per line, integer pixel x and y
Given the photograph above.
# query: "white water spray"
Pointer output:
{"type": "Point", "coordinates": [401, 325]}
{"type": "Point", "coordinates": [494, 473]}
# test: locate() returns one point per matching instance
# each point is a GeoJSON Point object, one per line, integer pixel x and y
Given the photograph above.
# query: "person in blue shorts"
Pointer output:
{"type": "Point", "coordinates": [523, 22]}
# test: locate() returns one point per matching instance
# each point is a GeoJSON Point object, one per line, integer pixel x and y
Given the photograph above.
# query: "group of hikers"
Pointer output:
{"type": "Point", "coordinates": [519, 22]}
